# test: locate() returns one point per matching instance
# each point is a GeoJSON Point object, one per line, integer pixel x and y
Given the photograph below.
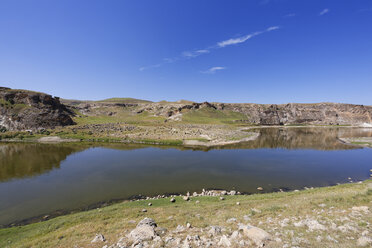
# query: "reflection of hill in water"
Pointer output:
{"type": "Point", "coordinates": [27, 160]}
{"type": "Point", "coordinates": [20, 160]}
{"type": "Point", "coordinates": [320, 138]}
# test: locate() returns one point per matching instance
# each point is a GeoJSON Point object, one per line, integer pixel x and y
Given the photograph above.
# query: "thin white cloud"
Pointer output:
{"type": "Point", "coordinates": [234, 41]}
{"type": "Point", "coordinates": [149, 67]}
{"type": "Point", "coordinates": [213, 70]}
{"type": "Point", "coordinates": [289, 15]}
{"type": "Point", "coordinates": [272, 28]}
{"type": "Point", "coordinates": [199, 52]}
{"type": "Point", "coordinates": [194, 54]}
{"type": "Point", "coordinates": [324, 11]}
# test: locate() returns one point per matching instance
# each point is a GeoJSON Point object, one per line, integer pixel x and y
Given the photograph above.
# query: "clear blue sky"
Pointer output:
{"type": "Point", "coordinates": [262, 51]}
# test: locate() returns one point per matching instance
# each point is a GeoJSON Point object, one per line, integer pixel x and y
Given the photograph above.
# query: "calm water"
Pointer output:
{"type": "Point", "coordinates": [39, 179]}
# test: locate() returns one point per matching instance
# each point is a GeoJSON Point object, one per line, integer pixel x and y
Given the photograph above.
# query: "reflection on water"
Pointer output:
{"type": "Point", "coordinates": [38, 179]}
{"type": "Point", "coordinates": [22, 160]}
{"type": "Point", "coordinates": [319, 138]}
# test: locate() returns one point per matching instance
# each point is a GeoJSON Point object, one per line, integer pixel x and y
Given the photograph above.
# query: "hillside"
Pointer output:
{"type": "Point", "coordinates": [22, 109]}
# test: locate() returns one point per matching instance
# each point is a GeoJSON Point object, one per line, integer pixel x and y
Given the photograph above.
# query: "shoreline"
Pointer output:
{"type": "Point", "coordinates": [306, 213]}
{"type": "Point", "coordinates": [189, 142]}
{"type": "Point", "coordinates": [203, 193]}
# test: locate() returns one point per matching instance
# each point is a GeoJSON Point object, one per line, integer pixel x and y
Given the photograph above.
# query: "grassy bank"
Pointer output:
{"type": "Point", "coordinates": [277, 213]}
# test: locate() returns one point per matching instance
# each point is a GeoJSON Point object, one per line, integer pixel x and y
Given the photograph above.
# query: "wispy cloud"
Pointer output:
{"type": "Point", "coordinates": [289, 15]}
{"type": "Point", "coordinates": [213, 70]}
{"type": "Point", "coordinates": [324, 11]}
{"type": "Point", "coordinates": [234, 41]}
{"type": "Point", "coordinates": [194, 54]}
{"type": "Point", "coordinates": [237, 40]}
{"type": "Point", "coordinates": [219, 45]}
{"type": "Point", "coordinates": [149, 67]}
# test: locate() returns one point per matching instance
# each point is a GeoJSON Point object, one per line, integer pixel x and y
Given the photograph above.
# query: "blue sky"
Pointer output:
{"type": "Point", "coordinates": [264, 51]}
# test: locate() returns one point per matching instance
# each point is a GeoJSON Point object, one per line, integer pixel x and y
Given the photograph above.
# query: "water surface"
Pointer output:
{"type": "Point", "coordinates": [39, 179]}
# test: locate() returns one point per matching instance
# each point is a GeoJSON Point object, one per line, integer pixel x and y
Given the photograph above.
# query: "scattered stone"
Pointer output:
{"type": "Point", "coordinates": [188, 225]}
{"type": "Point", "coordinates": [180, 229]}
{"type": "Point", "coordinates": [235, 235]}
{"type": "Point", "coordinates": [144, 231]}
{"type": "Point", "coordinates": [98, 238]}
{"type": "Point", "coordinates": [231, 220]}
{"type": "Point", "coordinates": [224, 241]}
{"type": "Point", "coordinates": [246, 218]}
{"type": "Point", "coordinates": [147, 222]}
{"type": "Point", "coordinates": [360, 209]}
{"type": "Point", "coordinates": [222, 198]}
{"type": "Point", "coordinates": [260, 188]}
{"type": "Point", "coordinates": [144, 210]}
{"type": "Point", "coordinates": [160, 230]}
{"type": "Point", "coordinates": [172, 200]}
{"type": "Point", "coordinates": [197, 201]}
{"type": "Point", "coordinates": [364, 241]}
{"type": "Point", "coordinates": [257, 235]}
{"type": "Point", "coordinates": [311, 224]}
{"type": "Point", "coordinates": [150, 204]}
{"type": "Point", "coordinates": [232, 192]}
{"type": "Point", "coordinates": [237, 203]}
{"type": "Point", "coordinates": [186, 198]}
{"type": "Point", "coordinates": [255, 210]}
{"type": "Point", "coordinates": [215, 230]}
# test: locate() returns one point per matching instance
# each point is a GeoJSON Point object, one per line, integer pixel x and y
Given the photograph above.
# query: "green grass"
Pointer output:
{"type": "Point", "coordinates": [361, 143]}
{"type": "Point", "coordinates": [79, 229]}
{"type": "Point", "coordinates": [159, 142]}
{"type": "Point", "coordinates": [17, 108]}
{"type": "Point", "coordinates": [19, 135]}
{"type": "Point", "coordinates": [212, 116]}
{"type": "Point", "coordinates": [124, 116]}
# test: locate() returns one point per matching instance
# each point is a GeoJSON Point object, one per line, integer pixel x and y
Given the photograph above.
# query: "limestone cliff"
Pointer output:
{"type": "Point", "coordinates": [22, 110]}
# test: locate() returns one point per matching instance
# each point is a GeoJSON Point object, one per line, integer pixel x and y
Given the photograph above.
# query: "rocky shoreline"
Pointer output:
{"type": "Point", "coordinates": [147, 233]}
{"type": "Point", "coordinates": [336, 216]}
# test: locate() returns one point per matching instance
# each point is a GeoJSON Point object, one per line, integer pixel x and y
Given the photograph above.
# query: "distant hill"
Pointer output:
{"type": "Point", "coordinates": [125, 100]}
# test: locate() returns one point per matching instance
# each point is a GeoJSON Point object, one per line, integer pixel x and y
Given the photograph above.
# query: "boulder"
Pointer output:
{"type": "Point", "coordinates": [364, 241]}
{"type": "Point", "coordinates": [144, 231]}
{"type": "Point", "coordinates": [224, 242]}
{"type": "Point", "coordinates": [98, 238]}
{"type": "Point", "coordinates": [257, 235]}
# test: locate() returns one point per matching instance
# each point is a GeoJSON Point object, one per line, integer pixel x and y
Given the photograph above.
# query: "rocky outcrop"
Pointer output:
{"type": "Point", "coordinates": [276, 114]}
{"type": "Point", "coordinates": [22, 110]}
{"type": "Point", "coordinates": [296, 113]}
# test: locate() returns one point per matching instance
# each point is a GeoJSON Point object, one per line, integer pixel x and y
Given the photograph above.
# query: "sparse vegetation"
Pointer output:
{"type": "Point", "coordinates": [275, 212]}
{"type": "Point", "coordinates": [212, 116]}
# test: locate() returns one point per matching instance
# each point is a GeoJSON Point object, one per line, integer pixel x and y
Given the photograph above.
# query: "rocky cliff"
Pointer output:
{"type": "Point", "coordinates": [22, 110]}
{"type": "Point", "coordinates": [295, 113]}
{"type": "Point", "coordinates": [276, 114]}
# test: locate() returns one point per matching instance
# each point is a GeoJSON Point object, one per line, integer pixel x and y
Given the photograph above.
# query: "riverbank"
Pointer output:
{"type": "Point", "coordinates": [337, 216]}
{"type": "Point", "coordinates": [187, 135]}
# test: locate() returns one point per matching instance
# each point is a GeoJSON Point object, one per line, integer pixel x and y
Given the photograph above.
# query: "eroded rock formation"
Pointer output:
{"type": "Point", "coordinates": [22, 110]}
